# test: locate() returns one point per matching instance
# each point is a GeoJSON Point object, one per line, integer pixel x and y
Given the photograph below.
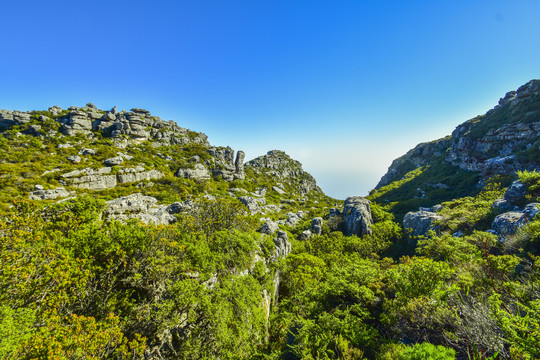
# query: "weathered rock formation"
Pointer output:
{"type": "Point", "coordinates": [283, 246]}
{"type": "Point", "coordinates": [198, 172]}
{"type": "Point", "coordinates": [102, 178]}
{"type": "Point", "coordinates": [224, 164]}
{"type": "Point", "coordinates": [280, 166]}
{"type": "Point", "coordinates": [357, 216]}
{"type": "Point", "coordinates": [502, 141]}
{"type": "Point", "coordinates": [510, 222]}
{"type": "Point", "coordinates": [136, 124]}
{"type": "Point", "coordinates": [138, 206]}
{"type": "Point", "coordinates": [40, 193]}
{"type": "Point", "coordinates": [421, 222]}
{"type": "Point", "coordinates": [316, 225]}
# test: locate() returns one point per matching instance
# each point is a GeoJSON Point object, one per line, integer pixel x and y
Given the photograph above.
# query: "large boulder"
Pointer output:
{"type": "Point", "coordinates": [509, 223]}
{"type": "Point", "coordinates": [114, 161]}
{"type": "Point", "coordinates": [269, 227]}
{"type": "Point", "coordinates": [292, 218]}
{"type": "Point", "coordinates": [515, 194]}
{"type": "Point", "coordinates": [357, 216]}
{"type": "Point", "coordinates": [420, 222]}
{"type": "Point", "coordinates": [316, 225]}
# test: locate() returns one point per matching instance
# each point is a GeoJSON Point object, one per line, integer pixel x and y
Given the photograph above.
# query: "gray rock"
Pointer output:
{"type": "Point", "coordinates": [251, 203]}
{"type": "Point", "coordinates": [509, 223]}
{"type": "Point", "coordinates": [420, 222]}
{"type": "Point", "coordinates": [239, 165]}
{"type": "Point", "coordinates": [334, 212]}
{"type": "Point", "coordinates": [87, 171]}
{"type": "Point", "coordinates": [278, 190]}
{"type": "Point", "coordinates": [357, 216]}
{"type": "Point", "coordinates": [117, 160]}
{"type": "Point", "coordinates": [75, 159]}
{"type": "Point", "coordinates": [40, 194]}
{"type": "Point", "coordinates": [200, 172]}
{"type": "Point", "coordinates": [531, 210]}
{"type": "Point", "coordinates": [137, 174]}
{"type": "Point", "coordinates": [282, 244]}
{"type": "Point", "coordinates": [305, 235]}
{"type": "Point", "coordinates": [259, 192]}
{"type": "Point", "coordinates": [94, 182]}
{"type": "Point", "coordinates": [271, 208]}
{"type": "Point", "coordinates": [269, 227]}
{"type": "Point", "coordinates": [76, 122]}
{"type": "Point", "coordinates": [87, 151]}
{"type": "Point", "coordinates": [179, 207]}
{"type": "Point", "coordinates": [316, 225]}
{"type": "Point", "coordinates": [515, 194]}
{"type": "Point", "coordinates": [502, 205]}
{"type": "Point", "coordinates": [33, 130]}
{"type": "Point", "coordinates": [140, 207]}
{"type": "Point", "coordinates": [292, 218]}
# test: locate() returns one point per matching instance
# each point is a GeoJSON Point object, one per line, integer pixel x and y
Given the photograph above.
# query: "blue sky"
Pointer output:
{"type": "Point", "coordinates": [343, 86]}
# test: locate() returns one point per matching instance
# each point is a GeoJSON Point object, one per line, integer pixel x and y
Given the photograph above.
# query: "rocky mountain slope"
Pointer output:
{"type": "Point", "coordinates": [504, 140]}
{"type": "Point", "coordinates": [123, 236]}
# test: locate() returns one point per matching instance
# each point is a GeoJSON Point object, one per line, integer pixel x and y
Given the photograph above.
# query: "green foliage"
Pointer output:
{"type": "Point", "coordinates": [532, 180]}
{"type": "Point", "coordinates": [15, 326]}
{"type": "Point", "coordinates": [521, 329]}
{"type": "Point", "coordinates": [400, 196]}
{"type": "Point", "coordinates": [470, 213]}
{"type": "Point", "coordinates": [427, 351]}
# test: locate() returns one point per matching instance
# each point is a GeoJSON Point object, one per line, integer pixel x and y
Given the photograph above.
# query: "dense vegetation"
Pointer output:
{"type": "Point", "coordinates": [76, 285]}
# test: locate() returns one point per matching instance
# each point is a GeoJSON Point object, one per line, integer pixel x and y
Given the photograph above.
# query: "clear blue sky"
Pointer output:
{"type": "Point", "coordinates": [343, 86]}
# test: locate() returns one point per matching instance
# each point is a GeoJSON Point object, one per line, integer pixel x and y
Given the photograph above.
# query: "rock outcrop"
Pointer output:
{"type": "Point", "coordinates": [357, 216]}
{"type": "Point", "coordinates": [280, 166]}
{"type": "Point", "coordinates": [102, 178]}
{"type": "Point", "coordinates": [199, 172]}
{"type": "Point", "coordinates": [282, 244]}
{"type": "Point", "coordinates": [269, 227]}
{"type": "Point", "coordinates": [316, 225]}
{"type": "Point", "coordinates": [510, 222]}
{"type": "Point", "coordinates": [224, 164]}
{"type": "Point", "coordinates": [40, 193]}
{"type": "Point", "coordinates": [137, 124]}
{"type": "Point", "coordinates": [421, 222]}
{"type": "Point", "coordinates": [138, 206]}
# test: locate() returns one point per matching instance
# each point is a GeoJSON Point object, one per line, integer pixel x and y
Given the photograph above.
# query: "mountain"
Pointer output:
{"type": "Point", "coordinates": [123, 236]}
{"type": "Point", "coordinates": [122, 152]}
{"type": "Point", "coordinates": [498, 143]}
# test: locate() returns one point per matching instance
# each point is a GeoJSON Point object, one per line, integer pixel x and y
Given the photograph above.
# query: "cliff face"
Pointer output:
{"type": "Point", "coordinates": [500, 142]}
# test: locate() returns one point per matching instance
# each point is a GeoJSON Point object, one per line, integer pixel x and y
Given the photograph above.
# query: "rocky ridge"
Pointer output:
{"type": "Point", "coordinates": [503, 141]}
{"type": "Point", "coordinates": [136, 124]}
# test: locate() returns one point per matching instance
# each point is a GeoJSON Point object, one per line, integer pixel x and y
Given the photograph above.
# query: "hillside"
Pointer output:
{"type": "Point", "coordinates": [498, 143]}
{"type": "Point", "coordinates": [123, 236]}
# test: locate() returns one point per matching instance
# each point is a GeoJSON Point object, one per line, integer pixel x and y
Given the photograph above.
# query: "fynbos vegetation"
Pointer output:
{"type": "Point", "coordinates": [126, 237]}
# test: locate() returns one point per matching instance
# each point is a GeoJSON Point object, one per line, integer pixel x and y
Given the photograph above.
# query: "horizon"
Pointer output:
{"type": "Point", "coordinates": [344, 89]}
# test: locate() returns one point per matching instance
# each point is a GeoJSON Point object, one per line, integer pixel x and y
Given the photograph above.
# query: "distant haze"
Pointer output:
{"type": "Point", "coordinates": [343, 87]}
